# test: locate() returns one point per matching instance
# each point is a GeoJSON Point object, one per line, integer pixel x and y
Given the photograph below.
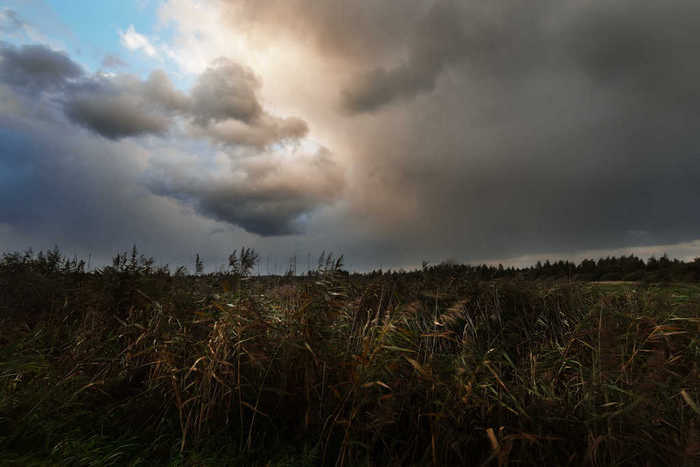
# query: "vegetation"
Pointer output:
{"type": "Point", "coordinates": [624, 268]}
{"type": "Point", "coordinates": [134, 364]}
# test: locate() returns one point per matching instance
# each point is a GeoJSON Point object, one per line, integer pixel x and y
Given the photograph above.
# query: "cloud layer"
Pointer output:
{"type": "Point", "coordinates": [456, 129]}
{"type": "Point", "coordinates": [502, 128]}
{"type": "Point", "coordinates": [36, 68]}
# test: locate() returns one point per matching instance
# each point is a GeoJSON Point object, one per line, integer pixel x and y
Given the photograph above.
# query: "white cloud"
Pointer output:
{"type": "Point", "coordinates": [132, 40]}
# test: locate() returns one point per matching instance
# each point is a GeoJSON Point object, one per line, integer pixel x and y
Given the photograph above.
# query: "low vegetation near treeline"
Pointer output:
{"type": "Point", "coordinates": [448, 365]}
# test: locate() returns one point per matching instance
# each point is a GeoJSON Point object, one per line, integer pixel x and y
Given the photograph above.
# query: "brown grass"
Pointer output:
{"type": "Point", "coordinates": [402, 369]}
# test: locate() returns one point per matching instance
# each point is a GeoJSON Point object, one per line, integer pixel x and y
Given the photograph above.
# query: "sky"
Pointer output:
{"type": "Point", "coordinates": [390, 132]}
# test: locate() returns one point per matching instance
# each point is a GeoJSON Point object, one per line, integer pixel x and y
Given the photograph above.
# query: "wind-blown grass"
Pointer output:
{"type": "Point", "coordinates": [430, 368]}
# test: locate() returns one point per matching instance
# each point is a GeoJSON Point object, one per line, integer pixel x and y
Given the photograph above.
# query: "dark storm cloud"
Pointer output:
{"type": "Point", "coordinates": [358, 29]}
{"type": "Point", "coordinates": [111, 108]}
{"type": "Point", "coordinates": [272, 197]}
{"type": "Point", "coordinates": [492, 129]}
{"type": "Point", "coordinates": [436, 42]}
{"type": "Point", "coordinates": [646, 58]}
{"type": "Point", "coordinates": [115, 116]}
{"type": "Point", "coordinates": [571, 128]}
{"type": "Point", "coordinates": [499, 36]}
{"type": "Point", "coordinates": [85, 194]}
{"type": "Point", "coordinates": [639, 45]}
{"type": "Point", "coordinates": [124, 106]}
{"type": "Point", "coordinates": [36, 67]}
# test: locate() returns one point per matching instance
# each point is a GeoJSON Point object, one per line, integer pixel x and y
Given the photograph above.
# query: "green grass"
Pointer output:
{"type": "Point", "coordinates": [424, 368]}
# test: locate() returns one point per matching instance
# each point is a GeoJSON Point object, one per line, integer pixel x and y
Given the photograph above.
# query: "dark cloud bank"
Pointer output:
{"type": "Point", "coordinates": [480, 130]}
{"type": "Point", "coordinates": [36, 68]}
{"type": "Point", "coordinates": [519, 127]}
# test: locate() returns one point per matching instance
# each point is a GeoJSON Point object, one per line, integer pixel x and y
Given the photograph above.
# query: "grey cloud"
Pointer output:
{"type": "Point", "coordinates": [115, 116]}
{"type": "Point", "coordinates": [357, 29]}
{"type": "Point", "coordinates": [266, 195]}
{"type": "Point", "coordinates": [124, 106]}
{"type": "Point", "coordinates": [222, 106]}
{"type": "Point", "coordinates": [10, 21]}
{"type": "Point", "coordinates": [434, 44]}
{"type": "Point", "coordinates": [159, 91]}
{"type": "Point", "coordinates": [36, 67]}
{"type": "Point", "coordinates": [85, 194]}
{"type": "Point", "coordinates": [113, 62]}
{"type": "Point", "coordinates": [264, 131]}
{"type": "Point", "coordinates": [498, 36]}
{"type": "Point", "coordinates": [266, 214]}
{"type": "Point", "coordinates": [611, 43]}
{"type": "Point", "coordinates": [226, 90]}
{"type": "Point", "coordinates": [638, 45]}
{"type": "Point", "coordinates": [646, 58]}
{"type": "Point", "coordinates": [380, 87]}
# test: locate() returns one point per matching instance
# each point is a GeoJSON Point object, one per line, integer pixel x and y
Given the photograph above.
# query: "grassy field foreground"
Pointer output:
{"type": "Point", "coordinates": [130, 366]}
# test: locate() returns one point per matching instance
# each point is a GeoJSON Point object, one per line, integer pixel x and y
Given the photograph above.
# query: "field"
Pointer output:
{"type": "Point", "coordinates": [431, 367]}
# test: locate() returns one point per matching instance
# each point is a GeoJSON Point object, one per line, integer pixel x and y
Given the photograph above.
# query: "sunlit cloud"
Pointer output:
{"type": "Point", "coordinates": [132, 40]}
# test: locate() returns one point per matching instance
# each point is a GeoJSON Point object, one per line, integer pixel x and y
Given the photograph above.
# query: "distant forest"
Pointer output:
{"type": "Point", "coordinates": [623, 268]}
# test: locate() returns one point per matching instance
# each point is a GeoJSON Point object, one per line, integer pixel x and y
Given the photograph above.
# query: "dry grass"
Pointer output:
{"type": "Point", "coordinates": [404, 369]}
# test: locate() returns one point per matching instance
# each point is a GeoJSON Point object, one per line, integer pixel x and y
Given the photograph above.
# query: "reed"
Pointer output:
{"type": "Point", "coordinates": [133, 365]}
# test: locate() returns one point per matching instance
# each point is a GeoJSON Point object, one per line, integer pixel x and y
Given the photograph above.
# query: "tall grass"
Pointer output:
{"type": "Point", "coordinates": [426, 368]}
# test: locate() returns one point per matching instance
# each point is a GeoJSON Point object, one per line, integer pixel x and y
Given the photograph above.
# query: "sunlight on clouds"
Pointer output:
{"type": "Point", "coordinates": [292, 75]}
{"type": "Point", "coordinates": [200, 38]}
{"type": "Point", "coordinates": [203, 34]}
{"type": "Point", "coordinates": [132, 40]}
{"type": "Point", "coordinates": [296, 81]}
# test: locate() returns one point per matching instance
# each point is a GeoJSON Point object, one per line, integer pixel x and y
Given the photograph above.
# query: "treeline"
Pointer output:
{"type": "Point", "coordinates": [623, 268]}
